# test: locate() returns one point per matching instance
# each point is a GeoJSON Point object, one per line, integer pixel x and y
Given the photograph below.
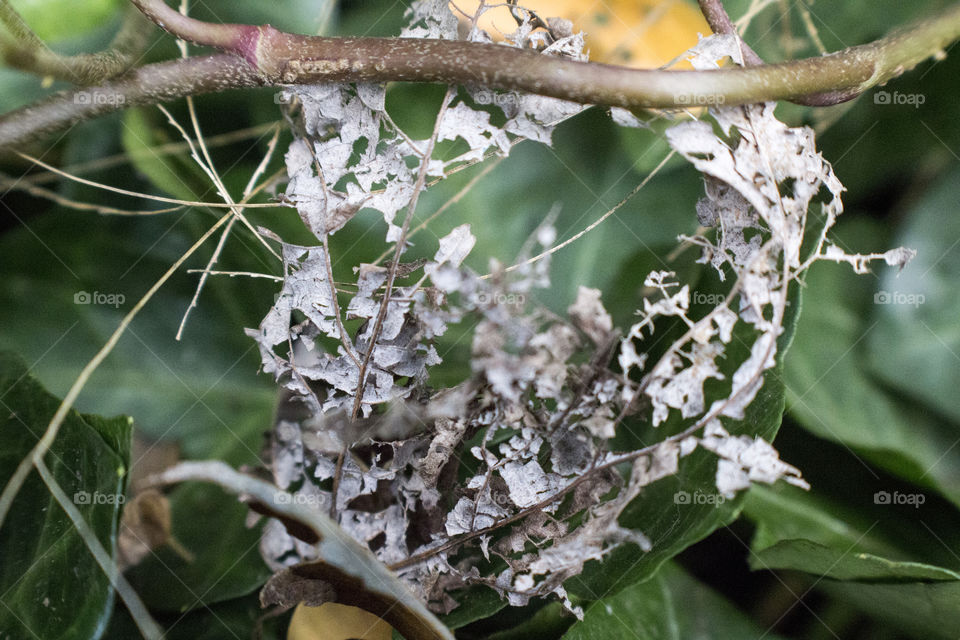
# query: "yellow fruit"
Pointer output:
{"type": "Point", "coordinates": [635, 33]}
{"type": "Point", "coordinates": [336, 622]}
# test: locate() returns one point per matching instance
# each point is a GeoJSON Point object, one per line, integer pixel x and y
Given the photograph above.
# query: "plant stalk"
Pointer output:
{"type": "Point", "coordinates": [266, 56]}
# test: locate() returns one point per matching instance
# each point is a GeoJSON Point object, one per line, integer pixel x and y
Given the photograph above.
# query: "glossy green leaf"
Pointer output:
{"type": "Point", "coordinates": [476, 603]}
{"type": "Point", "coordinates": [837, 25]}
{"type": "Point", "coordinates": [648, 145]}
{"type": "Point", "coordinates": [203, 391]}
{"type": "Point", "coordinates": [547, 622]}
{"type": "Point", "coordinates": [50, 585]}
{"type": "Point", "coordinates": [844, 564]}
{"type": "Point", "coordinates": [923, 609]}
{"type": "Point", "coordinates": [787, 513]}
{"type": "Point", "coordinates": [300, 16]}
{"type": "Point", "coordinates": [669, 606]}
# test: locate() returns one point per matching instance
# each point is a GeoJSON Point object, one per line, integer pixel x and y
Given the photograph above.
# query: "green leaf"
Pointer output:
{"type": "Point", "coordinates": [300, 16]}
{"type": "Point", "coordinates": [830, 390]}
{"type": "Point", "coordinates": [784, 513]}
{"type": "Point", "coordinates": [679, 510]}
{"type": "Point", "coordinates": [50, 585]}
{"type": "Point", "coordinates": [19, 88]}
{"type": "Point", "coordinates": [905, 142]}
{"type": "Point", "coordinates": [843, 564]}
{"type": "Point", "coordinates": [476, 603]}
{"type": "Point", "coordinates": [547, 622]}
{"type": "Point", "coordinates": [648, 145]}
{"type": "Point", "coordinates": [203, 391]}
{"type": "Point", "coordinates": [915, 345]}
{"type": "Point", "coordinates": [800, 532]}
{"type": "Point", "coordinates": [844, 25]}
{"type": "Point", "coordinates": [923, 609]}
{"type": "Point", "coordinates": [669, 606]}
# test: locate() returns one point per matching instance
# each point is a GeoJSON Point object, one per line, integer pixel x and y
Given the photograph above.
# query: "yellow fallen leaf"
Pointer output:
{"type": "Point", "coordinates": [635, 33]}
{"type": "Point", "coordinates": [336, 622]}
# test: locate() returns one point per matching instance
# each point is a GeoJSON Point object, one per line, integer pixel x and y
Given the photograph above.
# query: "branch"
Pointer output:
{"type": "Point", "coordinates": [295, 59]}
{"type": "Point", "coordinates": [150, 84]}
{"type": "Point", "coordinates": [277, 58]}
{"type": "Point", "coordinates": [26, 51]}
{"type": "Point", "coordinates": [719, 21]}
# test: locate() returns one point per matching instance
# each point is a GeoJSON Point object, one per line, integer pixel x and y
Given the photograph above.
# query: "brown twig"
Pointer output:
{"type": "Point", "coordinates": [24, 50]}
{"type": "Point", "coordinates": [271, 57]}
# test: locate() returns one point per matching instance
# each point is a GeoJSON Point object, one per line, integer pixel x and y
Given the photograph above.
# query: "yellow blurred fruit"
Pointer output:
{"type": "Point", "coordinates": [336, 622]}
{"type": "Point", "coordinates": [635, 33]}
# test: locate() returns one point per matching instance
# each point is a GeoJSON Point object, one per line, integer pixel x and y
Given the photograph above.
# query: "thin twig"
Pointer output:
{"type": "Point", "coordinates": [169, 148]}
{"type": "Point", "coordinates": [29, 52]}
{"type": "Point", "coordinates": [214, 177]}
{"type": "Point", "coordinates": [43, 445]}
{"type": "Point", "coordinates": [146, 196]}
{"type": "Point", "coordinates": [234, 274]}
{"type": "Point", "coordinates": [388, 289]}
{"type": "Point", "coordinates": [53, 196]}
{"type": "Point", "coordinates": [593, 225]}
{"type": "Point", "coordinates": [271, 147]}
{"type": "Point", "coordinates": [401, 245]}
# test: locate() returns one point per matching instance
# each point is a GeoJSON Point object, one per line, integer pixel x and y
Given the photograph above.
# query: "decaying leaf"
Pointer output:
{"type": "Point", "coordinates": [509, 479]}
{"type": "Point", "coordinates": [145, 526]}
